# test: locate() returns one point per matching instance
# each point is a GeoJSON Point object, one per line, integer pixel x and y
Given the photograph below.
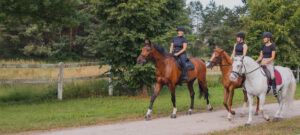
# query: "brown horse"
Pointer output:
{"type": "Point", "coordinates": [220, 57]}
{"type": "Point", "coordinates": [168, 73]}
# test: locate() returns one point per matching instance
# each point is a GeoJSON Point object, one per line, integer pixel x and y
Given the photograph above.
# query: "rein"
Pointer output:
{"type": "Point", "coordinates": [239, 72]}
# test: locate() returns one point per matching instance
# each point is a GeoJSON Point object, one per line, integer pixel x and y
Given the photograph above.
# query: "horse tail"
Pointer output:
{"type": "Point", "coordinates": [292, 89]}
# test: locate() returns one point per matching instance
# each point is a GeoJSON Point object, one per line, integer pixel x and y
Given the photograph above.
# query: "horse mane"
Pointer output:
{"type": "Point", "coordinates": [227, 58]}
{"type": "Point", "coordinates": [161, 50]}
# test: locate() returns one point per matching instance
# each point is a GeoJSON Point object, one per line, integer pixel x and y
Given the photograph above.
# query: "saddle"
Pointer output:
{"type": "Point", "coordinates": [188, 63]}
{"type": "Point", "coordinates": [278, 77]}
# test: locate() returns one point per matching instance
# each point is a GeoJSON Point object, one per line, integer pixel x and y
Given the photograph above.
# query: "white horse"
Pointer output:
{"type": "Point", "coordinates": [256, 85]}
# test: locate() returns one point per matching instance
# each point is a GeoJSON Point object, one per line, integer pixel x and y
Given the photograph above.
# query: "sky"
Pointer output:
{"type": "Point", "coordinates": [227, 3]}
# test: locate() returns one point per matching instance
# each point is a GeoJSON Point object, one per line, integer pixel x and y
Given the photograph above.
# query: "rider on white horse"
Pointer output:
{"type": "Point", "coordinates": [267, 55]}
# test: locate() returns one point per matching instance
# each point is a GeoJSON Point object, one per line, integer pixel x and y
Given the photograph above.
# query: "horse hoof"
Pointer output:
{"type": "Point", "coordinates": [256, 113]}
{"type": "Point", "coordinates": [247, 124]}
{"type": "Point", "coordinates": [229, 119]}
{"type": "Point", "coordinates": [189, 113]}
{"type": "Point", "coordinates": [233, 112]}
{"type": "Point", "coordinates": [210, 109]}
{"type": "Point", "coordinates": [147, 117]}
{"type": "Point", "coordinates": [267, 119]}
{"type": "Point", "coordinates": [277, 119]}
{"type": "Point", "coordinates": [173, 116]}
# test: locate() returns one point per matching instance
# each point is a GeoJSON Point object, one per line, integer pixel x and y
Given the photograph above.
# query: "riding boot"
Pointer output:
{"type": "Point", "coordinates": [268, 74]}
{"type": "Point", "coordinates": [184, 72]}
{"type": "Point", "coordinates": [275, 90]}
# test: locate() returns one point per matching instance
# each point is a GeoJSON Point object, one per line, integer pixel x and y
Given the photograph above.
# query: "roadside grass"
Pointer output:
{"type": "Point", "coordinates": [289, 126]}
{"type": "Point", "coordinates": [18, 117]}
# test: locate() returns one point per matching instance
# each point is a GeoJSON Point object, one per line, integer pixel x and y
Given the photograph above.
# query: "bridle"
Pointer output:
{"type": "Point", "coordinates": [142, 55]}
{"type": "Point", "coordinates": [239, 73]}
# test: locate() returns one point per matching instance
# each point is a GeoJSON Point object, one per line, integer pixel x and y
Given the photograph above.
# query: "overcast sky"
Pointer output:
{"type": "Point", "coordinates": [226, 3]}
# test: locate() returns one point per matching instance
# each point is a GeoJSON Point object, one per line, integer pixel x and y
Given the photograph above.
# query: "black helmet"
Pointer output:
{"type": "Point", "coordinates": [241, 35]}
{"type": "Point", "coordinates": [180, 28]}
{"type": "Point", "coordinates": [267, 34]}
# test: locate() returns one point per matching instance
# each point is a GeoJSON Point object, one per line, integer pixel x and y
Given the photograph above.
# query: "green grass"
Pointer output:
{"type": "Point", "coordinates": [48, 114]}
{"type": "Point", "coordinates": [286, 127]}
{"type": "Point", "coordinates": [28, 93]}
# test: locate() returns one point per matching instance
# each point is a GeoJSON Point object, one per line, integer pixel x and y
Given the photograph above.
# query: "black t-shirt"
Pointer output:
{"type": "Point", "coordinates": [178, 41]}
{"type": "Point", "coordinates": [239, 48]}
{"type": "Point", "coordinates": [267, 50]}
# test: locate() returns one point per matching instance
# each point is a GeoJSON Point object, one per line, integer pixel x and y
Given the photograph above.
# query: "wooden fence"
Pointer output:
{"type": "Point", "coordinates": [60, 78]}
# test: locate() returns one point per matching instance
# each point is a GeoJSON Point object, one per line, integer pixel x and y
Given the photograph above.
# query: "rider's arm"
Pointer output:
{"type": "Point", "coordinates": [233, 51]}
{"type": "Point", "coordinates": [272, 58]}
{"type": "Point", "coordinates": [182, 50]}
{"type": "Point", "coordinates": [171, 48]}
{"type": "Point", "coordinates": [245, 48]}
{"type": "Point", "coordinates": [260, 57]}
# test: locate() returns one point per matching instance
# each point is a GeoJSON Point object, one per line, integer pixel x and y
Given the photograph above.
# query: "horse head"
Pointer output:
{"type": "Point", "coordinates": [146, 54]}
{"type": "Point", "coordinates": [216, 58]}
{"type": "Point", "coordinates": [238, 68]}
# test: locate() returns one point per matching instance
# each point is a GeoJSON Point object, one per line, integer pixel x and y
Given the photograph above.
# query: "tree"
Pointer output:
{"type": "Point", "coordinates": [282, 19]}
{"type": "Point", "coordinates": [126, 24]}
{"type": "Point", "coordinates": [218, 27]}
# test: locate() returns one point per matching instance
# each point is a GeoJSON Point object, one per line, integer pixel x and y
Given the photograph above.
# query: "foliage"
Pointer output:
{"type": "Point", "coordinates": [282, 19]}
{"type": "Point", "coordinates": [217, 26]}
{"type": "Point", "coordinates": [126, 24]}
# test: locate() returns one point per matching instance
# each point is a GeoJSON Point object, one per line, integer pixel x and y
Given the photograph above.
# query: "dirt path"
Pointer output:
{"type": "Point", "coordinates": [183, 125]}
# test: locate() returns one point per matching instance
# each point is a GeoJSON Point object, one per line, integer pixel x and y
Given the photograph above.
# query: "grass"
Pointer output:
{"type": "Point", "coordinates": [286, 127]}
{"type": "Point", "coordinates": [18, 117]}
{"type": "Point", "coordinates": [28, 93]}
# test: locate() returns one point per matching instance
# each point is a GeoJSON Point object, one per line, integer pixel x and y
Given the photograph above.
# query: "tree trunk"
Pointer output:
{"type": "Point", "coordinates": [145, 91]}
{"type": "Point", "coordinates": [71, 39]}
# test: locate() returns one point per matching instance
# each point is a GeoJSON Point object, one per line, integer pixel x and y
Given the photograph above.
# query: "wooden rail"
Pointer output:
{"type": "Point", "coordinates": [60, 78]}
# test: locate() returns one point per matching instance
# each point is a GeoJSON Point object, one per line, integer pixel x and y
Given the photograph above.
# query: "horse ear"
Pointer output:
{"type": "Point", "coordinates": [147, 42]}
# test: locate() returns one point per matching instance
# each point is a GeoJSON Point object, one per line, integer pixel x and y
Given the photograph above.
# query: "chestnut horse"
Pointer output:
{"type": "Point", "coordinates": [168, 73]}
{"type": "Point", "coordinates": [221, 58]}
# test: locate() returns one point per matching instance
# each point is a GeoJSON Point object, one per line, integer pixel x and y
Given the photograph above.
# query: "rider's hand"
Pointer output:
{"type": "Point", "coordinates": [263, 63]}
{"type": "Point", "coordinates": [176, 54]}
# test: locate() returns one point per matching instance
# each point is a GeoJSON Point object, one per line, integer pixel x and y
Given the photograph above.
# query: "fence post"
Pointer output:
{"type": "Point", "coordinates": [60, 81]}
{"type": "Point", "coordinates": [298, 70]}
{"type": "Point", "coordinates": [110, 87]}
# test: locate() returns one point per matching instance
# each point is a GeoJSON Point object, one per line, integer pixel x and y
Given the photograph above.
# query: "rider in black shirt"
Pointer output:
{"type": "Point", "coordinates": [267, 55]}
{"type": "Point", "coordinates": [179, 45]}
{"type": "Point", "coordinates": [240, 48]}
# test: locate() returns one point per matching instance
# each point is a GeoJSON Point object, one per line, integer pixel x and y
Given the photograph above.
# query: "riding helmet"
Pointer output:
{"type": "Point", "coordinates": [180, 28]}
{"type": "Point", "coordinates": [267, 35]}
{"type": "Point", "coordinates": [241, 35]}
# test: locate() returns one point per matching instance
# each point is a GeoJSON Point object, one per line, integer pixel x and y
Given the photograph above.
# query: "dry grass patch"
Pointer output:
{"type": "Point", "coordinates": [39, 73]}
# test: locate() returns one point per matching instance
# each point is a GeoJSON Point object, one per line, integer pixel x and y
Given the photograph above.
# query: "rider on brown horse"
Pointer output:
{"type": "Point", "coordinates": [179, 45]}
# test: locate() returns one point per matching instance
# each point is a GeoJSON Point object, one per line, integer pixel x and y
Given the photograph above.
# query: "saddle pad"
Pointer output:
{"type": "Point", "coordinates": [277, 77]}
{"type": "Point", "coordinates": [189, 64]}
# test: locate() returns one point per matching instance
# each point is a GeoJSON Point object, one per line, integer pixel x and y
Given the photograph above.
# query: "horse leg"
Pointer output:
{"type": "Point", "coordinates": [157, 88]}
{"type": "Point", "coordinates": [244, 104]}
{"type": "Point", "coordinates": [261, 108]}
{"type": "Point", "coordinates": [257, 106]}
{"type": "Point", "coordinates": [192, 94]}
{"type": "Point", "coordinates": [225, 98]}
{"type": "Point", "coordinates": [279, 113]}
{"type": "Point", "coordinates": [230, 112]}
{"type": "Point", "coordinates": [172, 90]}
{"type": "Point", "coordinates": [250, 98]}
{"type": "Point", "coordinates": [203, 87]}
